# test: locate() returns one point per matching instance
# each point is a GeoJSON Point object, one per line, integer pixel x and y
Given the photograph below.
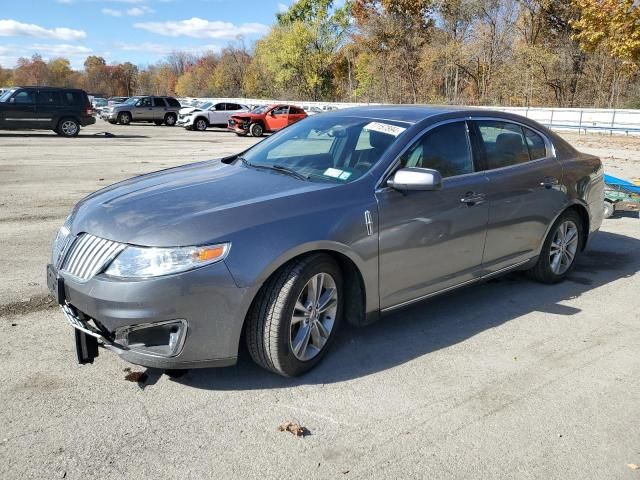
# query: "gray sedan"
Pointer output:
{"type": "Point", "coordinates": [338, 218]}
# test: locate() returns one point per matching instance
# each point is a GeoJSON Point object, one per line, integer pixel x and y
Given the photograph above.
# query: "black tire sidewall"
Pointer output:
{"type": "Point", "coordinates": [60, 132]}
{"type": "Point", "coordinates": [166, 119]}
{"type": "Point", "coordinates": [254, 127]}
{"type": "Point", "coordinates": [288, 361]}
{"type": "Point", "coordinates": [611, 206]}
{"type": "Point", "coordinates": [197, 122]}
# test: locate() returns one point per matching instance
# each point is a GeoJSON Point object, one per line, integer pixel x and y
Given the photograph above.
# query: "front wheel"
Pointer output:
{"type": "Point", "coordinates": [200, 125]}
{"type": "Point", "coordinates": [124, 118]}
{"type": "Point", "coordinates": [295, 316]}
{"type": "Point", "coordinates": [560, 250]}
{"type": "Point", "coordinates": [170, 119]}
{"type": "Point", "coordinates": [256, 130]}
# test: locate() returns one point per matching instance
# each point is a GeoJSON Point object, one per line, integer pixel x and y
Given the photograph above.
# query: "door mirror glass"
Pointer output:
{"type": "Point", "coordinates": [407, 179]}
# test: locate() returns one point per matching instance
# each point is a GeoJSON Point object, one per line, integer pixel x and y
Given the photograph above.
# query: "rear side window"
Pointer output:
{"type": "Point", "coordinates": [535, 143]}
{"type": "Point", "coordinates": [71, 98]}
{"type": "Point", "coordinates": [233, 106]}
{"type": "Point", "coordinates": [173, 102]}
{"type": "Point", "coordinates": [158, 102]}
{"type": "Point", "coordinates": [24, 96]}
{"type": "Point", "coordinates": [445, 148]}
{"type": "Point", "coordinates": [48, 98]}
{"type": "Point", "coordinates": [503, 143]}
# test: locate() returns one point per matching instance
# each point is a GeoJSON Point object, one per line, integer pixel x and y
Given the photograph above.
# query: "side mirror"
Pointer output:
{"type": "Point", "coordinates": [139, 103]}
{"type": "Point", "coordinates": [12, 100]}
{"type": "Point", "coordinates": [407, 179]}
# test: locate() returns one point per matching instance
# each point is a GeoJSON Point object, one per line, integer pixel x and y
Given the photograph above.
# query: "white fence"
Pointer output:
{"type": "Point", "coordinates": [621, 121]}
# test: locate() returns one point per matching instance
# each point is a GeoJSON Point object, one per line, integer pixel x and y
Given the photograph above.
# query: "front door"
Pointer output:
{"type": "Point", "coordinates": [433, 240]}
{"type": "Point", "coordinates": [525, 191]}
{"type": "Point", "coordinates": [277, 118]}
{"type": "Point", "coordinates": [20, 110]}
{"type": "Point", "coordinates": [143, 109]}
{"type": "Point", "coordinates": [48, 108]}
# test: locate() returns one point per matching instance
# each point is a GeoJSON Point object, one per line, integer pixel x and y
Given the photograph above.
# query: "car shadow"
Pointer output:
{"type": "Point", "coordinates": [438, 323]}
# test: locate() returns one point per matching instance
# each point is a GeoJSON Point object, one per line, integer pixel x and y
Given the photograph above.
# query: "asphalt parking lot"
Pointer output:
{"type": "Point", "coordinates": [509, 379]}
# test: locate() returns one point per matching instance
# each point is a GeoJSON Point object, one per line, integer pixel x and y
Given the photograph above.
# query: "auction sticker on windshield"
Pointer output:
{"type": "Point", "coordinates": [337, 173]}
{"type": "Point", "coordinates": [384, 128]}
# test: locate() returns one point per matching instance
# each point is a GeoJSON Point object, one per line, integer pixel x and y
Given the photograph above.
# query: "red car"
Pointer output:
{"type": "Point", "coordinates": [270, 118]}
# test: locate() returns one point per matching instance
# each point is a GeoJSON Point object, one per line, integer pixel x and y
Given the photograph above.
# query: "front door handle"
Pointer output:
{"type": "Point", "coordinates": [473, 198]}
{"type": "Point", "coordinates": [549, 182]}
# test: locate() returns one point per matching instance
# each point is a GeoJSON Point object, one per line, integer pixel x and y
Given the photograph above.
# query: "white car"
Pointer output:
{"type": "Point", "coordinates": [208, 114]}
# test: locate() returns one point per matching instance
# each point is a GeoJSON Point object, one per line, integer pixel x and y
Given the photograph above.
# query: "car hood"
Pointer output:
{"type": "Point", "coordinates": [192, 205]}
{"type": "Point", "coordinates": [187, 110]}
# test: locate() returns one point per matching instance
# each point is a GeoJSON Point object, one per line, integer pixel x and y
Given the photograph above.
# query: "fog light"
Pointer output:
{"type": "Point", "coordinates": [163, 339]}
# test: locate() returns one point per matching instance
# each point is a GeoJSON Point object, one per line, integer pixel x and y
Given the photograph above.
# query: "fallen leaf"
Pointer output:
{"type": "Point", "coordinates": [633, 466]}
{"type": "Point", "coordinates": [294, 428]}
{"type": "Point", "coordinates": [139, 377]}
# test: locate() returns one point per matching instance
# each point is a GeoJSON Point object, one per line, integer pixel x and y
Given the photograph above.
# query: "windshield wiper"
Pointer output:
{"type": "Point", "coordinates": [275, 167]}
{"type": "Point", "coordinates": [289, 171]}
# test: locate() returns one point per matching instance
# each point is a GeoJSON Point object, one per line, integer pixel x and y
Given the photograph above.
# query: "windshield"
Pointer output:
{"type": "Point", "coordinates": [205, 105]}
{"type": "Point", "coordinates": [5, 96]}
{"type": "Point", "coordinates": [132, 101]}
{"type": "Point", "coordinates": [261, 109]}
{"type": "Point", "coordinates": [328, 149]}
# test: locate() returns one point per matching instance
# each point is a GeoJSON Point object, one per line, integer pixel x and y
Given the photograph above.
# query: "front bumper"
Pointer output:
{"type": "Point", "coordinates": [206, 299]}
{"type": "Point", "coordinates": [185, 122]}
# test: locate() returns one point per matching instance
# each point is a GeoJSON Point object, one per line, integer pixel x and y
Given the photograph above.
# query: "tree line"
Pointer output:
{"type": "Point", "coordinates": [565, 53]}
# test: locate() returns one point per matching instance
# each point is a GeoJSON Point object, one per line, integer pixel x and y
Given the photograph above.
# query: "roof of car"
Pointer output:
{"type": "Point", "coordinates": [403, 113]}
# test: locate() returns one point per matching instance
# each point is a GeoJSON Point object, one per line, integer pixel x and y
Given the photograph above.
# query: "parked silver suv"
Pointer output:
{"type": "Point", "coordinates": [158, 110]}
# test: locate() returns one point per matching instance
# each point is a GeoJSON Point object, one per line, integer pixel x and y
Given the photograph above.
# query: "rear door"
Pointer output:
{"type": "Point", "coordinates": [525, 192]}
{"type": "Point", "coordinates": [159, 108]}
{"type": "Point", "coordinates": [277, 118]}
{"type": "Point", "coordinates": [433, 240]}
{"type": "Point", "coordinates": [218, 115]}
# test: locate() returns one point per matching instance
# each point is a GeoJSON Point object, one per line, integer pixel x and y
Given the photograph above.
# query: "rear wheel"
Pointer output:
{"type": "Point", "coordinates": [256, 130]}
{"type": "Point", "coordinates": [68, 127]}
{"type": "Point", "coordinates": [294, 318]}
{"type": "Point", "coordinates": [609, 209]}
{"type": "Point", "coordinates": [124, 118]}
{"type": "Point", "coordinates": [560, 250]}
{"type": "Point", "coordinates": [170, 119]}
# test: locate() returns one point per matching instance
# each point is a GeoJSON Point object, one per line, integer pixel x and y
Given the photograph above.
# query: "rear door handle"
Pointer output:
{"type": "Point", "coordinates": [473, 198]}
{"type": "Point", "coordinates": [549, 182]}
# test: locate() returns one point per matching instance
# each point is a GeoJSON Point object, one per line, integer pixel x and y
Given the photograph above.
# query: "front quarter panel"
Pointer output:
{"type": "Point", "coordinates": [331, 220]}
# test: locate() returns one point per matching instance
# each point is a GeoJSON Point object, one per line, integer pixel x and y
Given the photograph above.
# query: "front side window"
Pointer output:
{"type": "Point", "coordinates": [445, 149]}
{"type": "Point", "coordinates": [283, 110]}
{"type": "Point", "coordinates": [145, 102]}
{"type": "Point", "coordinates": [327, 149]}
{"type": "Point", "coordinates": [219, 107]}
{"type": "Point", "coordinates": [504, 143]}
{"type": "Point", "coordinates": [24, 96]}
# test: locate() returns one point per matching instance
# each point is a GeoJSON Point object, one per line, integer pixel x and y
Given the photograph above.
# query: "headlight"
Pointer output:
{"type": "Point", "coordinates": [145, 262]}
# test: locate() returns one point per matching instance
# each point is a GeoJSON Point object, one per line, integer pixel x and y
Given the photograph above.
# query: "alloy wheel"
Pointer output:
{"type": "Point", "coordinates": [563, 247]}
{"type": "Point", "coordinates": [314, 316]}
{"type": "Point", "coordinates": [69, 128]}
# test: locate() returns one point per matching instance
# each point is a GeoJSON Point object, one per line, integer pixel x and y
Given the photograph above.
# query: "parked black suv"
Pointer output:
{"type": "Point", "coordinates": [62, 110]}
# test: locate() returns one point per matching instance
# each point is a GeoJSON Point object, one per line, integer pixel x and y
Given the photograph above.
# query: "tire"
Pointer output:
{"type": "Point", "coordinates": [553, 270]}
{"type": "Point", "coordinates": [170, 119]}
{"type": "Point", "coordinates": [124, 118]}
{"type": "Point", "coordinates": [609, 209]}
{"type": "Point", "coordinates": [275, 341]}
{"type": "Point", "coordinates": [68, 127]}
{"type": "Point", "coordinates": [256, 130]}
{"type": "Point", "coordinates": [200, 124]}
{"type": "Point", "coordinates": [158, 122]}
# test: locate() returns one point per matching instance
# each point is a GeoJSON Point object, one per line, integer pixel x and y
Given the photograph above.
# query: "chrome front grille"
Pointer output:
{"type": "Point", "coordinates": [61, 242]}
{"type": "Point", "coordinates": [89, 255]}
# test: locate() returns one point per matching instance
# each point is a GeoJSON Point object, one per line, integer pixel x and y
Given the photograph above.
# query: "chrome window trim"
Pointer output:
{"type": "Point", "coordinates": [549, 147]}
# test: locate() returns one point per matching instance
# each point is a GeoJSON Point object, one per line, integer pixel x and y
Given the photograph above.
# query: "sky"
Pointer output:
{"type": "Point", "coordinates": [138, 31]}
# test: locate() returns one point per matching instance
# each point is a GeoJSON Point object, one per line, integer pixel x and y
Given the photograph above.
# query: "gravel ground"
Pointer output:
{"type": "Point", "coordinates": [510, 379]}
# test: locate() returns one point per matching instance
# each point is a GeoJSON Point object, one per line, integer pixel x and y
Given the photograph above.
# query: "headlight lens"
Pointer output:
{"type": "Point", "coordinates": [145, 262]}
